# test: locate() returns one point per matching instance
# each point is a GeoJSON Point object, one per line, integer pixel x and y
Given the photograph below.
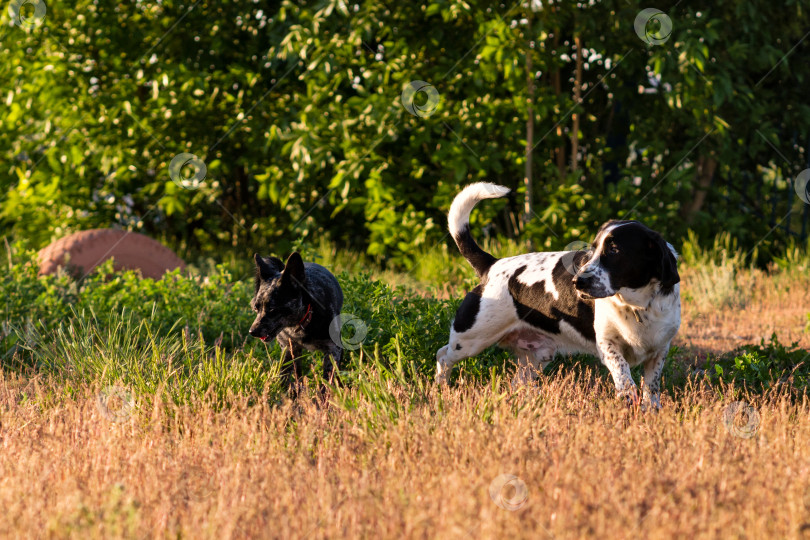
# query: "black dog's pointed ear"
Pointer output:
{"type": "Point", "coordinates": [294, 271]}
{"type": "Point", "coordinates": [267, 267]}
{"type": "Point", "coordinates": [263, 270]}
{"type": "Point", "coordinates": [669, 275]}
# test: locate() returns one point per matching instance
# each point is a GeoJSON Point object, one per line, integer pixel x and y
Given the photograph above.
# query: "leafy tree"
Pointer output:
{"type": "Point", "coordinates": [306, 118]}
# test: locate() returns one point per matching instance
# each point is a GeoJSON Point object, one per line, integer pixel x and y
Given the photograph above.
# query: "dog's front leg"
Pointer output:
{"type": "Point", "coordinates": [612, 358]}
{"type": "Point", "coordinates": [651, 389]}
{"type": "Point", "coordinates": [290, 365]}
{"type": "Point", "coordinates": [331, 362]}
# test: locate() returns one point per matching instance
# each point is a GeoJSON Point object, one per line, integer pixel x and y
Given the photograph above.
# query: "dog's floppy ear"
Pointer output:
{"type": "Point", "coordinates": [668, 264]}
{"type": "Point", "coordinates": [294, 270]}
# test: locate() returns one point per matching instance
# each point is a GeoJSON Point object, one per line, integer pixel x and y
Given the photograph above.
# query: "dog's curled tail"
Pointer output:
{"type": "Point", "coordinates": [459, 222]}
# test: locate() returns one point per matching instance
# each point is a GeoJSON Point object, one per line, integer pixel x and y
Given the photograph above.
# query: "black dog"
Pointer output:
{"type": "Point", "coordinates": [296, 304]}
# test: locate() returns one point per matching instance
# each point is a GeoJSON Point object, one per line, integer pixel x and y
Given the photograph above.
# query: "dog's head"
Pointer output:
{"type": "Point", "coordinates": [278, 299]}
{"type": "Point", "coordinates": [626, 256]}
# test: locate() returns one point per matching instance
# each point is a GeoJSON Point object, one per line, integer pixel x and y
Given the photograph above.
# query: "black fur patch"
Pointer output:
{"type": "Point", "coordinates": [539, 308]}
{"type": "Point", "coordinates": [468, 310]}
{"type": "Point", "coordinates": [480, 260]}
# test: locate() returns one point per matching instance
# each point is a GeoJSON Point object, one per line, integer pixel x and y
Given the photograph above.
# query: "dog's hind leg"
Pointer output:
{"type": "Point", "coordinates": [478, 324]}
{"type": "Point", "coordinates": [534, 351]}
{"type": "Point", "coordinates": [530, 363]}
{"type": "Point", "coordinates": [443, 366]}
{"type": "Point", "coordinates": [459, 348]}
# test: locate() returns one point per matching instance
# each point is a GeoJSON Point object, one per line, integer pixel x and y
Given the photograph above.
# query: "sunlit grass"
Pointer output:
{"type": "Point", "coordinates": [393, 459]}
{"type": "Point", "coordinates": [134, 408]}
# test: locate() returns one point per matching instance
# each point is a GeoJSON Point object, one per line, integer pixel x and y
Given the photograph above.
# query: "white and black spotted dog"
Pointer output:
{"type": "Point", "coordinates": [619, 301]}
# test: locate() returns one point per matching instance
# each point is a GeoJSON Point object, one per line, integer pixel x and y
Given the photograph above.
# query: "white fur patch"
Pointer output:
{"type": "Point", "coordinates": [538, 268]}
{"type": "Point", "coordinates": [463, 203]}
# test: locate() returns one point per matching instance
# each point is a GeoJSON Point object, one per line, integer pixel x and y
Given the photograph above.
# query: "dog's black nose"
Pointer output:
{"type": "Point", "coordinates": [253, 331]}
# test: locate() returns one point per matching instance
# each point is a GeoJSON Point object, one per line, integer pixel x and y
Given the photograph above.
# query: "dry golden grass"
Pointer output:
{"type": "Point", "coordinates": [590, 466]}
{"type": "Point", "coordinates": [761, 303]}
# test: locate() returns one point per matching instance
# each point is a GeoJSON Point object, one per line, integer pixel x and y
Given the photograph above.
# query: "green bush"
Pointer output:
{"type": "Point", "coordinates": [296, 110]}
{"type": "Point", "coordinates": [215, 307]}
{"type": "Point", "coordinates": [42, 316]}
{"type": "Point", "coordinates": [764, 366]}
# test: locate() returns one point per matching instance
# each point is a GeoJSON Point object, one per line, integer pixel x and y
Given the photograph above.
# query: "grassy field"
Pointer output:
{"type": "Point", "coordinates": [133, 408]}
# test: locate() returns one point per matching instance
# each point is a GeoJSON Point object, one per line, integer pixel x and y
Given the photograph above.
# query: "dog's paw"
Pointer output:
{"type": "Point", "coordinates": [442, 374]}
{"type": "Point", "coordinates": [651, 403]}
{"type": "Point", "coordinates": [296, 389]}
{"type": "Point", "coordinates": [324, 396]}
{"type": "Point", "coordinates": [630, 396]}
{"type": "Point", "coordinates": [442, 370]}
{"type": "Point", "coordinates": [522, 379]}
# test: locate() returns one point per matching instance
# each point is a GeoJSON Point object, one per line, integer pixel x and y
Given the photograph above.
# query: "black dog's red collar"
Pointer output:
{"type": "Point", "coordinates": [307, 317]}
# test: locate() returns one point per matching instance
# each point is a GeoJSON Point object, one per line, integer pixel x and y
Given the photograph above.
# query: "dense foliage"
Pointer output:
{"type": "Point", "coordinates": [296, 110]}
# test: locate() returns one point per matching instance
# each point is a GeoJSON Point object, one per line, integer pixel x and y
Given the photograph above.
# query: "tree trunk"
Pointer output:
{"type": "Point", "coordinates": [577, 100]}
{"type": "Point", "coordinates": [555, 81]}
{"type": "Point", "coordinates": [704, 172]}
{"type": "Point", "coordinates": [527, 178]}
